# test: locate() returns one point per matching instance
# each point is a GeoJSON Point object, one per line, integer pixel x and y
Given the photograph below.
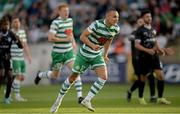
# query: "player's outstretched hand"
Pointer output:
{"type": "Point", "coordinates": [165, 51]}
{"type": "Point", "coordinates": [169, 51]}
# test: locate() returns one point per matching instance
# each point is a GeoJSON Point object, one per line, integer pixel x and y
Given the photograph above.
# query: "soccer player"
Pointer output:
{"type": "Point", "coordinates": [7, 38]}
{"type": "Point", "coordinates": [18, 62]}
{"type": "Point", "coordinates": [96, 38]}
{"type": "Point", "coordinates": [136, 67]}
{"type": "Point", "coordinates": [148, 48]}
{"type": "Point", "coordinates": [61, 34]}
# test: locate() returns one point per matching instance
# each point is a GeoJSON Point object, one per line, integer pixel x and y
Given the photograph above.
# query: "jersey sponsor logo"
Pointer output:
{"type": "Point", "coordinates": [151, 40]}
{"type": "Point", "coordinates": [149, 34]}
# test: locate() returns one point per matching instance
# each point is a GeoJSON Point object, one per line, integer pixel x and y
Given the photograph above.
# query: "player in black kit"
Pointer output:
{"type": "Point", "coordinates": [149, 51]}
{"type": "Point", "coordinates": [136, 67]}
{"type": "Point", "coordinates": [7, 38]}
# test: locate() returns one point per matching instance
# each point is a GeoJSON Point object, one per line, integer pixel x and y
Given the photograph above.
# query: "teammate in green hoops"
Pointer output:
{"type": "Point", "coordinates": [61, 34]}
{"type": "Point", "coordinates": [18, 61]}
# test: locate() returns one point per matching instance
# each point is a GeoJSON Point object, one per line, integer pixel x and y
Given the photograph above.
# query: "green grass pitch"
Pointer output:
{"type": "Point", "coordinates": [110, 100]}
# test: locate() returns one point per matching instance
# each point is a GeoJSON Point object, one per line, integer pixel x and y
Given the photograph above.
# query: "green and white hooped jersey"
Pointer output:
{"type": "Point", "coordinates": [17, 53]}
{"type": "Point", "coordinates": [100, 33]}
{"type": "Point", "coordinates": [58, 27]}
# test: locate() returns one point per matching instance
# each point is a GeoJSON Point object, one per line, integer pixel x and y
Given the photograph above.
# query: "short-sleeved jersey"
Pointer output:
{"type": "Point", "coordinates": [100, 33]}
{"type": "Point", "coordinates": [6, 40]}
{"type": "Point", "coordinates": [16, 52]}
{"type": "Point", "coordinates": [58, 27]}
{"type": "Point", "coordinates": [146, 37]}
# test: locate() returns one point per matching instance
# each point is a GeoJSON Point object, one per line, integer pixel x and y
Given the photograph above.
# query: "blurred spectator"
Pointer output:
{"type": "Point", "coordinates": [36, 15]}
{"type": "Point", "coordinates": [176, 29]}
{"type": "Point", "coordinates": [126, 28]}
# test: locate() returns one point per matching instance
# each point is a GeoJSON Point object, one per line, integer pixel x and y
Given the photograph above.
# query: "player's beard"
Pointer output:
{"type": "Point", "coordinates": [4, 30]}
{"type": "Point", "coordinates": [148, 22]}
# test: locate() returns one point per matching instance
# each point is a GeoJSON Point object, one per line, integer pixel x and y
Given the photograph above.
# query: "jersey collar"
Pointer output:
{"type": "Point", "coordinates": [4, 34]}
{"type": "Point", "coordinates": [106, 24]}
{"type": "Point", "coordinates": [148, 27]}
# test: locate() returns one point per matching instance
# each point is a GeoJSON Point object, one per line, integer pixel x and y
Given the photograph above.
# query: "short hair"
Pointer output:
{"type": "Point", "coordinates": [4, 19]}
{"type": "Point", "coordinates": [111, 9]}
{"type": "Point", "coordinates": [62, 5]}
{"type": "Point", "coordinates": [144, 12]}
{"type": "Point", "coordinates": [16, 17]}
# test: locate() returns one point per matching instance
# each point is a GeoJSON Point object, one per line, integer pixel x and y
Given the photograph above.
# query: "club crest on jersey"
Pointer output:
{"type": "Point", "coordinates": [113, 33]}
{"type": "Point", "coordinates": [102, 40]}
{"type": "Point", "coordinates": [151, 34]}
{"type": "Point", "coordinates": [77, 67]}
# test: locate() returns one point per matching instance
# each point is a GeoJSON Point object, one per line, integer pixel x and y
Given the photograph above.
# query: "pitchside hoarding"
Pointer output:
{"type": "Point", "coordinates": [172, 73]}
{"type": "Point", "coordinates": [118, 73]}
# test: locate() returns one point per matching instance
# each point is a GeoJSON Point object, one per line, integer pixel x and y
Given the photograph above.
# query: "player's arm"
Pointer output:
{"type": "Point", "coordinates": [84, 36]}
{"type": "Point", "coordinates": [142, 48]}
{"type": "Point", "coordinates": [27, 51]}
{"type": "Point", "coordinates": [158, 49]}
{"type": "Point", "coordinates": [52, 38]}
{"type": "Point", "coordinates": [74, 43]}
{"type": "Point", "coordinates": [26, 47]}
{"type": "Point", "coordinates": [163, 51]}
{"type": "Point", "coordinates": [84, 39]}
{"type": "Point", "coordinates": [106, 49]}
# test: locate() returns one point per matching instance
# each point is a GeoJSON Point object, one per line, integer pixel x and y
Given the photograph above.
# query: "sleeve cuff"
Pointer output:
{"type": "Point", "coordinates": [89, 30]}
{"type": "Point", "coordinates": [52, 31]}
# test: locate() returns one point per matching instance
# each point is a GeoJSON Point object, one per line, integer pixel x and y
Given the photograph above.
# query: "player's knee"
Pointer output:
{"type": "Point", "coordinates": [54, 75]}
{"type": "Point", "coordinates": [160, 77]}
{"type": "Point", "coordinates": [21, 78]}
{"type": "Point", "coordinates": [73, 77]}
{"type": "Point", "coordinates": [105, 77]}
{"type": "Point", "coordinates": [142, 78]}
